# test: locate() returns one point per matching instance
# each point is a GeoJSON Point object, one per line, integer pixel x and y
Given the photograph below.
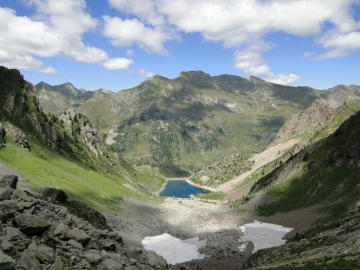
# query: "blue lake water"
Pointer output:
{"type": "Point", "coordinates": [180, 189]}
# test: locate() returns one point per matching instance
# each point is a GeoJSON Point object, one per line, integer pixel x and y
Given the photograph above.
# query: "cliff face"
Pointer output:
{"type": "Point", "coordinates": [82, 129]}
{"type": "Point", "coordinates": [319, 115]}
{"type": "Point", "coordinates": [19, 109]}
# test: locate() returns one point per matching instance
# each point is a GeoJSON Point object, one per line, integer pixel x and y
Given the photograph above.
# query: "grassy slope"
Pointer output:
{"type": "Point", "coordinates": [73, 168]}
{"type": "Point", "coordinates": [326, 172]}
{"type": "Point", "coordinates": [42, 168]}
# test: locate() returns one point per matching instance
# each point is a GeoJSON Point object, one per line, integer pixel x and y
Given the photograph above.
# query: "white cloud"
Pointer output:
{"type": "Point", "coordinates": [117, 63]}
{"type": "Point", "coordinates": [251, 62]}
{"type": "Point", "coordinates": [307, 54]}
{"type": "Point", "coordinates": [130, 52]}
{"type": "Point", "coordinates": [238, 24]}
{"type": "Point", "coordinates": [131, 31]}
{"type": "Point", "coordinates": [340, 44]}
{"type": "Point", "coordinates": [55, 30]}
{"type": "Point", "coordinates": [145, 73]}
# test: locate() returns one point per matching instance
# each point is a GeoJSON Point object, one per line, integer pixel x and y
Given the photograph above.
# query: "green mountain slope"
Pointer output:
{"type": "Point", "coordinates": [325, 172]}
{"type": "Point", "coordinates": [63, 152]}
{"type": "Point", "coordinates": [57, 99]}
{"type": "Point", "coordinates": [324, 176]}
{"type": "Point", "coordinates": [192, 121]}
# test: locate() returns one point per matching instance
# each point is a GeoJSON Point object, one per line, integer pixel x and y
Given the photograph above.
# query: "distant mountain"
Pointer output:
{"type": "Point", "coordinates": [57, 99]}
{"type": "Point", "coordinates": [187, 123]}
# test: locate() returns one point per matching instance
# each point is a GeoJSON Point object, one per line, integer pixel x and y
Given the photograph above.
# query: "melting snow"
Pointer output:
{"type": "Point", "coordinates": [174, 250]}
{"type": "Point", "coordinates": [263, 235]}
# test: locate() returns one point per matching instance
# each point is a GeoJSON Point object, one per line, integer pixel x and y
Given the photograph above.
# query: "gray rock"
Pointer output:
{"type": "Point", "coordinates": [109, 246]}
{"type": "Point", "coordinates": [16, 237]}
{"type": "Point", "coordinates": [6, 262]}
{"type": "Point", "coordinates": [8, 248]}
{"type": "Point", "coordinates": [5, 193]}
{"type": "Point", "coordinates": [92, 258]}
{"type": "Point", "coordinates": [10, 204]}
{"type": "Point", "coordinates": [9, 181]}
{"type": "Point", "coordinates": [54, 194]}
{"type": "Point", "coordinates": [156, 260]}
{"type": "Point", "coordinates": [79, 236]}
{"type": "Point", "coordinates": [57, 265]}
{"type": "Point", "coordinates": [110, 264]}
{"type": "Point", "coordinates": [6, 214]}
{"type": "Point", "coordinates": [28, 261]}
{"type": "Point", "coordinates": [31, 224]}
{"type": "Point", "coordinates": [61, 231]}
{"type": "Point", "coordinates": [74, 244]}
{"type": "Point", "coordinates": [22, 195]}
{"type": "Point", "coordinates": [44, 254]}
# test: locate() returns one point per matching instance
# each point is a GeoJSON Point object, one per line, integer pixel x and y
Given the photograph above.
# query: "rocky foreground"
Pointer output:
{"type": "Point", "coordinates": [37, 232]}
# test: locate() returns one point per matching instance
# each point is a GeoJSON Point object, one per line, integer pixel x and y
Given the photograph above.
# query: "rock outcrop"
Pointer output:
{"type": "Point", "coordinates": [39, 234]}
{"type": "Point", "coordinates": [222, 171]}
{"type": "Point", "coordinates": [55, 195]}
{"type": "Point", "coordinates": [2, 136]}
{"type": "Point", "coordinates": [9, 181]}
{"type": "Point", "coordinates": [82, 129]}
{"type": "Point", "coordinates": [17, 136]}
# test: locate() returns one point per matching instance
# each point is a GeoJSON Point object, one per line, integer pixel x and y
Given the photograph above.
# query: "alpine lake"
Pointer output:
{"type": "Point", "coordinates": [181, 189]}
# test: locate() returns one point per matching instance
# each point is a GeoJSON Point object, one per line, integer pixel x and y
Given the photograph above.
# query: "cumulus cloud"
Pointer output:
{"type": "Point", "coordinates": [238, 24]}
{"type": "Point", "coordinates": [131, 31]}
{"type": "Point", "coordinates": [55, 30]}
{"type": "Point", "coordinates": [145, 73]}
{"type": "Point", "coordinates": [252, 63]}
{"type": "Point", "coordinates": [117, 63]}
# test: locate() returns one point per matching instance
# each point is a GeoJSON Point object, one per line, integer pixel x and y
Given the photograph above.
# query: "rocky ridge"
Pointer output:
{"type": "Point", "coordinates": [36, 233]}
{"type": "Point", "coordinates": [82, 129]}
{"type": "Point", "coordinates": [222, 171]}
{"type": "Point", "coordinates": [319, 115]}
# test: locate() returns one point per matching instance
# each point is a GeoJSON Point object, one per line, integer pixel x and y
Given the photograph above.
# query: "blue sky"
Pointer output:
{"type": "Point", "coordinates": [117, 44]}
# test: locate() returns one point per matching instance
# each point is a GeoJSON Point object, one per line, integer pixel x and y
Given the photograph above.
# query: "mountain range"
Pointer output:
{"type": "Point", "coordinates": [226, 119]}
{"type": "Point", "coordinates": [184, 124]}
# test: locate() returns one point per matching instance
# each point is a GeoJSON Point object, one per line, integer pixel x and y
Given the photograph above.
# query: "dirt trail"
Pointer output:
{"type": "Point", "coordinates": [260, 160]}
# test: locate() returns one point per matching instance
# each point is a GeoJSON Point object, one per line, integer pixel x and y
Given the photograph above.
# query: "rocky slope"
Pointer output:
{"type": "Point", "coordinates": [324, 175]}
{"type": "Point", "coordinates": [320, 115]}
{"type": "Point", "coordinates": [36, 233]}
{"type": "Point", "coordinates": [222, 171]}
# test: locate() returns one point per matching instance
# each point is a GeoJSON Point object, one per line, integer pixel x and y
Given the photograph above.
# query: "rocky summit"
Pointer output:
{"type": "Point", "coordinates": [36, 233]}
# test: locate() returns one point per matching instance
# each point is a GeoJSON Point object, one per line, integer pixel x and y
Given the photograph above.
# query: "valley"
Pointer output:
{"type": "Point", "coordinates": [276, 154]}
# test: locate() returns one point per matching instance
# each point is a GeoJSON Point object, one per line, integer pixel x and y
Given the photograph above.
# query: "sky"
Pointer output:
{"type": "Point", "coordinates": [117, 44]}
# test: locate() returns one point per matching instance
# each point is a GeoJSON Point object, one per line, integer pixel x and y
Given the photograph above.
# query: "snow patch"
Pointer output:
{"type": "Point", "coordinates": [263, 235]}
{"type": "Point", "coordinates": [174, 250]}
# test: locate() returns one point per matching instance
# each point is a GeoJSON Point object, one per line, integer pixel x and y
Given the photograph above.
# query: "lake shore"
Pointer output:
{"type": "Point", "coordinates": [184, 179]}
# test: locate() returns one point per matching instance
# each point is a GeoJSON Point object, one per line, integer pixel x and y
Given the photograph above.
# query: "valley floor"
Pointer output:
{"type": "Point", "coordinates": [215, 221]}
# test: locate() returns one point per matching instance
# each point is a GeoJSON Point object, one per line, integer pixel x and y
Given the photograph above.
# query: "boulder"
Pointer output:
{"type": "Point", "coordinates": [9, 181]}
{"type": "Point", "coordinates": [57, 265]}
{"type": "Point", "coordinates": [74, 244]}
{"type": "Point", "coordinates": [156, 260]}
{"type": "Point", "coordinates": [110, 264]}
{"type": "Point", "coordinates": [44, 254]}
{"type": "Point", "coordinates": [5, 193]}
{"type": "Point", "coordinates": [6, 262]}
{"type": "Point", "coordinates": [61, 231]}
{"type": "Point", "coordinates": [28, 261]}
{"type": "Point", "coordinates": [54, 194]}
{"type": "Point", "coordinates": [31, 224]}
{"type": "Point", "coordinates": [79, 236]}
